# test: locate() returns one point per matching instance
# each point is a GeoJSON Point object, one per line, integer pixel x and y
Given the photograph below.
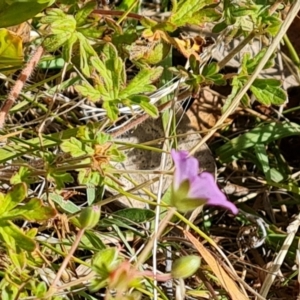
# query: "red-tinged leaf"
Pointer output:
{"type": "Point", "coordinates": [33, 211]}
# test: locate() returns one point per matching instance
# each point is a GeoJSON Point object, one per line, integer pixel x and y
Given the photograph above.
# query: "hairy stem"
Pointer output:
{"type": "Point", "coordinates": [17, 88]}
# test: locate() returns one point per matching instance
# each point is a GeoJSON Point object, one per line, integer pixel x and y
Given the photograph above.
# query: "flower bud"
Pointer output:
{"type": "Point", "coordinates": [185, 266]}
{"type": "Point", "coordinates": [89, 217]}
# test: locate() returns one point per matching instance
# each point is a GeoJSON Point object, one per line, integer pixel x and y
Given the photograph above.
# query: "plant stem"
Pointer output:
{"type": "Point", "coordinates": [163, 224]}
{"type": "Point", "coordinates": [236, 50]}
{"type": "Point", "coordinates": [53, 287]}
{"type": "Point", "coordinates": [117, 13]}
{"type": "Point", "coordinates": [127, 12]}
{"type": "Point", "coordinates": [17, 88]}
{"type": "Point", "coordinates": [292, 51]}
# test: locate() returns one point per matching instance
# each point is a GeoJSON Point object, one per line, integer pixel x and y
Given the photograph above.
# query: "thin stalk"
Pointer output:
{"type": "Point", "coordinates": [53, 287]}
{"type": "Point", "coordinates": [20, 82]}
{"type": "Point", "coordinates": [163, 224]}
{"type": "Point", "coordinates": [236, 50]}
{"type": "Point", "coordinates": [293, 53]}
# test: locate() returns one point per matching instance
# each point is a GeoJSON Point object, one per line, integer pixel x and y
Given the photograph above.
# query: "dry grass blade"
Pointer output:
{"type": "Point", "coordinates": [292, 230]}
{"type": "Point", "coordinates": [4, 137]}
{"type": "Point", "coordinates": [226, 282]}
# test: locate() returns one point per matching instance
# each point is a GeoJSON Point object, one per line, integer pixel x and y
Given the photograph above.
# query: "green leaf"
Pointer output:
{"type": "Point", "coordinates": [156, 54]}
{"type": "Point", "coordinates": [111, 109]}
{"type": "Point", "coordinates": [93, 239]}
{"type": "Point", "coordinates": [86, 176]}
{"type": "Point", "coordinates": [244, 11]}
{"type": "Point", "coordinates": [75, 147]}
{"type": "Point", "coordinates": [64, 26]}
{"type": "Point", "coordinates": [219, 27]}
{"type": "Point", "coordinates": [68, 2]}
{"type": "Point", "coordinates": [250, 64]}
{"type": "Point", "coordinates": [260, 135]}
{"type": "Point", "coordinates": [125, 38]}
{"type": "Point", "coordinates": [89, 92]}
{"type": "Point", "coordinates": [217, 79]}
{"type": "Point", "coordinates": [114, 68]}
{"type": "Point", "coordinates": [53, 42]}
{"type": "Point", "coordinates": [111, 69]}
{"type": "Point", "coordinates": [91, 194]}
{"type": "Point", "coordinates": [10, 48]}
{"type": "Point", "coordinates": [268, 81]}
{"type": "Point", "coordinates": [15, 12]}
{"type": "Point", "coordinates": [86, 52]}
{"type": "Point", "coordinates": [195, 64]}
{"type": "Point", "coordinates": [274, 24]}
{"type": "Point", "coordinates": [267, 91]}
{"type": "Point", "coordinates": [33, 211]}
{"type": "Point", "coordinates": [68, 47]}
{"type": "Point", "coordinates": [52, 15]}
{"type": "Point", "coordinates": [164, 26]}
{"type": "Point", "coordinates": [82, 15]}
{"type": "Point", "coordinates": [102, 138]}
{"type": "Point", "coordinates": [210, 69]}
{"type": "Point", "coordinates": [237, 84]}
{"type": "Point", "coordinates": [16, 195]}
{"type": "Point", "coordinates": [204, 16]}
{"type": "Point", "coordinates": [134, 215]}
{"type": "Point", "coordinates": [148, 23]}
{"type": "Point", "coordinates": [110, 79]}
{"type": "Point", "coordinates": [149, 108]}
{"type": "Point", "coordinates": [14, 237]}
{"type": "Point", "coordinates": [262, 156]}
{"type": "Point", "coordinates": [144, 103]}
{"type": "Point", "coordinates": [276, 175]}
{"type": "Point", "coordinates": [141, 82]}
{"type": "Point", "coordinates": [60, 178]}
{"type": "Point", "coordinates": [18, 260]}
{"type": "Point", "coordinates": [41, 289]}
{"type": "Point", "coordinates": [125, 4]}
{"type": "Point", "coordinates": [24, 174]}
{"type": "Point", "coordinates": [66, 205]}
{"type": "Point", "coordinates": [105, 261]}
{"type": "Point", "coordinates": [186, 9]}
{"type": "Point", "coordinates": [9, 292]}
{"type": "Point", "coordinates": [91, 32]}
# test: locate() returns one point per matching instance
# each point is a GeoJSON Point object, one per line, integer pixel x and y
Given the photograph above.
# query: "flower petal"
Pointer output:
{"type": "Point", "coordinates": [186, 167]}
{"type": "Point", "coordinates": [204, 187]}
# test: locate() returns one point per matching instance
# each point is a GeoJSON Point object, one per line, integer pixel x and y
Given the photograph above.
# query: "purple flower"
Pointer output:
{"type": "Point", "coordinates": [191, 189]}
